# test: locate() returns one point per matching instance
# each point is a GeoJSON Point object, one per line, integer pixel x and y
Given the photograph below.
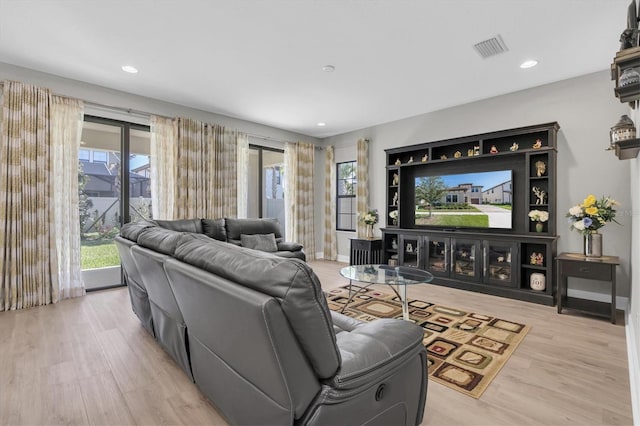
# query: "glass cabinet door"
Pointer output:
{"type": "Point", "coordinates": [437, 256]}
{"type": "Point", "coordinates": [410, 251]}
{"type": "Point", "coordinates": [499, 262]}
{"type": "Point", "coordinates": [465, 259]}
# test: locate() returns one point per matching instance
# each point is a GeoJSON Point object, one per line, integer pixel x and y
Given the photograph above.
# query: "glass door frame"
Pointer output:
{"type": "Point", "coordinates": [124, 215]}
{"type": "Point", "coordinates": [260, 149]}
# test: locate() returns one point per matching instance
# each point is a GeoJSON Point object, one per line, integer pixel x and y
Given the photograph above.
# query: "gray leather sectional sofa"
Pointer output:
{"type": "Point", "coordinates": [254, 332]}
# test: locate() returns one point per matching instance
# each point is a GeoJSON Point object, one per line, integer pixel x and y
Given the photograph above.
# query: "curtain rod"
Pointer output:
{"type": "Point", "coordinates": [270, 138]}
{"type": "Point", "coordinates": [131, 111]}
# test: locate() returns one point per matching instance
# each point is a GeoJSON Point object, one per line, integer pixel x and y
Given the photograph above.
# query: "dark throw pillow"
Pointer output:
{"type": "Point", "coordinates": [262, 242]}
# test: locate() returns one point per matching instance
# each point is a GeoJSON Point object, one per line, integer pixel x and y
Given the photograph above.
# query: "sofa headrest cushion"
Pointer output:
{"type": "Point", "coordinates": [237, 227]}
{"type": "Point", "coordinates": [182, 225]}
{"type": "Point", "coordinates": [159, 239]}
{"type": "Point", "coordinates": [291, 281]}
{"type": "Point", "coordinates": [214, 228]}
{"type": "Point", "coordinates": [132, 230]}
{"type": "Point", "coordinates": [262, 242]}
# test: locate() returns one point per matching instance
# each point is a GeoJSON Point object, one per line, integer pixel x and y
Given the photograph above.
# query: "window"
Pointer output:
{"type": "Point", "coordinates": [84, 155]}
{"type": "Point", "coordinates": [346, 208]}
{"type": "Point", "coordinates": [265, 194]}
{"type": "Point", "coordinates": [99, 157]}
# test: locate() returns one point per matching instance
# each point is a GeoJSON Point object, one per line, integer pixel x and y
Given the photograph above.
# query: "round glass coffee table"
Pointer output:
{"type": "Point", "coordinates": [398, 276]}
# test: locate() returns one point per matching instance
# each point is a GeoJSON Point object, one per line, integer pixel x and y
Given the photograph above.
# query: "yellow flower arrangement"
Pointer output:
{"type": "Point", "coordinates": [592, 214]}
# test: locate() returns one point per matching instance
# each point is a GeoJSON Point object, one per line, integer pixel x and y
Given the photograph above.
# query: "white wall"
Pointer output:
{"type": "Point", "coordinates": [102, 95]}
{"type": "Point", "coordinates": [633, 319]}
{"type": "Point", "coordinates": [585, 107]}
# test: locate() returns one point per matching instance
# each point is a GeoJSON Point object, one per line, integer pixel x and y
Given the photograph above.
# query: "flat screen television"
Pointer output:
{"type": "Point", "coordinates": [465, 200]}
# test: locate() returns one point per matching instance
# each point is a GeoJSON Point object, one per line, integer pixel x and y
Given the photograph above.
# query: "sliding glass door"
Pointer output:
{"type": "Point", "coordinates": [266, 183]}
{"type": "Point", "coordinates": [109, 197]}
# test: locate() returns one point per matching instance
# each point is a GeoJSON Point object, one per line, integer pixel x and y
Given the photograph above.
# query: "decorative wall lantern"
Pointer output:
{"type": "Point", "coordinates": [623, 139]}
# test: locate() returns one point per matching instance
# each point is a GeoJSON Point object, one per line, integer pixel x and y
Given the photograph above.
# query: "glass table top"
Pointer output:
{"type": "Point", "coordinates": [385, 274]}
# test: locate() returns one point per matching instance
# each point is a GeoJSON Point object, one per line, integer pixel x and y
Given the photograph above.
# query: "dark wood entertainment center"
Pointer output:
{"type": "Point", "coordinates": [494, 261]}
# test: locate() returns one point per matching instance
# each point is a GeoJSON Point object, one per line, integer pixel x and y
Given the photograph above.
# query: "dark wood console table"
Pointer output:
{"type": "Point", "coordinates": [592, 268]}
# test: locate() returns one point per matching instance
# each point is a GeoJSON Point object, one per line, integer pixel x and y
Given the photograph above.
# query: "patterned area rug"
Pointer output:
{"type": "Point", "coordinates": [465, 350]}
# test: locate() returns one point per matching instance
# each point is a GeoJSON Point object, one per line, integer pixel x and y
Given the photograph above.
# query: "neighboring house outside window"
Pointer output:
{"type": "Point", "coordinates": [346, 206]}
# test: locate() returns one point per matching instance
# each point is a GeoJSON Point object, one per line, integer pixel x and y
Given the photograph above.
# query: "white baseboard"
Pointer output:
{"type": "Point", "coordinates": [634, 368]}
{"type": "Point", "coordinates": [341, 258]}
{"type": "Point", "coordinates": [621, 302]}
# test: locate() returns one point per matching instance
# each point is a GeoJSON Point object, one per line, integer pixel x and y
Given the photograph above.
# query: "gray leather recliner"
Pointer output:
{"type": "Point", "coordinates": [154, 247]}
{"type": "Point", "coordinates": [266, 349]}
{"type": "Point", "coordinates": [137, 290]}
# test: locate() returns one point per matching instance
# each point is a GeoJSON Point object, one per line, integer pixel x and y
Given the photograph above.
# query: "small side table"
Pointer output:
{"type": "Point", "coordinates": [592, 268]}
{"type": "Point", "coordinates": [365, 251]}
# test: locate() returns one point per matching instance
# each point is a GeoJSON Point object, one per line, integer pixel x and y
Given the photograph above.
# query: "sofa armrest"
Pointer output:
{"type": "Point", "coordinates": [372, 350]}
{"type": "Point", "coordinates": [289, 246]}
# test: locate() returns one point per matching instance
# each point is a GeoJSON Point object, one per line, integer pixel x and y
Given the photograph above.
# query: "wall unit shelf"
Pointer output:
{"type": "Point", "coordinates": [624, 60]}
{"type": "Point", "coordinates": [502, 262]}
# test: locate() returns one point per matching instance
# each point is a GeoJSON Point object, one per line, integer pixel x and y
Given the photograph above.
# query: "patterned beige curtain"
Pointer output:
{"type": "Point", "coordinates": [224, 165]}
{"type": "Point", "coordinates": [330, 237]}
{"type": "Point", "coordinates": [206, 171]}
{"type": "Point", "coordinates": [66, 131]}
{"type": "Point", "coordinates": [163, 166]}
{"type": "Point", "coordinates": [299, 211]}
{"type": "Point", "coordinates": [362, 176]}
{"type": "Point", "coordinates": [28, 252]}
{"type": "Point", "coordinates": [242, 141]}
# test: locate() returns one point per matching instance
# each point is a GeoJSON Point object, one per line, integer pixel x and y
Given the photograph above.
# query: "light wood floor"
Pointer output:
{"type": "Point", "coordinates": [89, 361]}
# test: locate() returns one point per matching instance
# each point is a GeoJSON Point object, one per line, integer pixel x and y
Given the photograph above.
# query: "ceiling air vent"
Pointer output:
{"type": "Point", "coordinates": [491, 47]}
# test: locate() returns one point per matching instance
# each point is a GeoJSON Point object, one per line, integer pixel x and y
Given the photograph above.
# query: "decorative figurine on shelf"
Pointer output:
{"type": "Point", "coordinates": [395, 199]}
{"type": "Point", "coordinates": [443, 157]}
{"type": "Point", "coordinates": [493, 150]}
{"type": "Point", "coordinates": [541, 195]}
{"type": "Point", "coordinates": [394, 244]}
{"type": "Point", "coordinates": [509, 257]}
{"type": "Point", "coordinates": [476, 150]}
{"type": "Point", "coordinates": [409, 248]}
{"type": "Point", "coordinates": [514, 147]}
{"type": "Point", "coordinates": [540, 259]}
{"type": "Point", "coordinates": [622, 131]}
{"type": "Point", "coordinates": [628, 77]}
{"type": "Point", "coordinates": [500, 259]}
{"type": "Point", "coordinates": [396, 179]}
{"type": "Point", "coordinates": [457, 154]}
{"type": "Point", "coordinates": [533, 259]}
{"type": "Point", "coordinates": [537, 144]}
{"type": "Point", "coordinates": [629, 37]}
{"type": "Point", "coordinates": [398, 162]}
{"type": "Point", "coordinates": [410, 160]}
{"type": "Point", "coordinates": [425, 158]}
{"type": "Point", "coordinates": [470, 152]}
{"type": "Point", "coordinates": [541, 168]}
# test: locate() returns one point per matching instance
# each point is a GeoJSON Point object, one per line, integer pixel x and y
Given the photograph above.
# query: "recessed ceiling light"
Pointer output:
{"type": "Point", "coordinates": [529, 64]}
{"type": "Point", "coordinates": [130, 69]}
{"type": "Point", "coordinates": [328, 68]}
{"type": "Point", "coordinates": [321, 124]}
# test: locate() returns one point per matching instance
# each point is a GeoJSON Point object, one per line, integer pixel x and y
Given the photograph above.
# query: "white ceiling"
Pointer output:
{"type": "Point", "coordinates": [262, 60]}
